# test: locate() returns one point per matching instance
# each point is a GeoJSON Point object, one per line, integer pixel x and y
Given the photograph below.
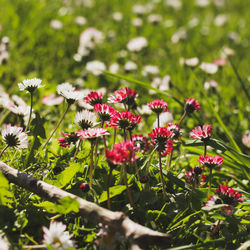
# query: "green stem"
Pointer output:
{"type": "Point", "coordinates": [182, 118]}
{"type": "Point", "coordinates": [114, 138]}
{"type": "Point", "coordinates": [3, 150]}
{"type": "Point", "coordinates": [128, 190]}
{"type": "Point", "coordinates": [77, 150]}
{"type": "Point", "coordinates": [124, 134]}
{"type": "Point", "coordinates": [56, 127]}
{"type": "Point", "coordinates": [210, 181]}
{"type": "Point", "coordinates": [7, 112]}
{"type": "Point", "coordinates": [96, 148]}
{"type": "Point", "coordinates": [108, 184]}
{"type": "Point", "coordinates": [205, 149]}
{"type": "Point", "coordinates": [158, 120]}
{"type": "Point", "coordinates": [31, 105]}
{"type": "Point", "coordinates": [162, 179]}
{"type": "Point", "coordinates": [91, 164]}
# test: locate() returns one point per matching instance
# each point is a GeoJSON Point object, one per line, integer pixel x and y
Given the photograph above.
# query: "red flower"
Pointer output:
{"type": "Point", "coordinates": [93, 98]}
{"type": "Point", "coordinates": [121, 120]}
{"type": "Point", "coordinates": [203, 133]}
{"type": "Point", "coordinates": [225, 195]}
{"type": "Point", "coordinates": [175, 130]}
{"type": "Point", "coordinates": [92, 133]}
{"type": "Point", "coordinates": [104, 111]}
{"type": "Point", "coordinates": [211, 161]}
{"type": "Point", "coordinates": [124, 95]}
{"type": "Point", "coordinates": [122, 153]}
{"type": "Point", "coordinates": [160, 138]}
{"type": "Point", "coordinates": [134, 121]}
{"type": "Point", "coordinates": [191, 105]}
{"type": "Point", "coordinates": [67, 139]}
{"type": "Point", "coordinates": [158, 106]}
{"type": "Point", "coordinates": [141, 142]}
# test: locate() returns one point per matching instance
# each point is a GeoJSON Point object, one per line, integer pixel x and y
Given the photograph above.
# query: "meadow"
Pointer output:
{"type": "Point", "coordinates": [116, 114]}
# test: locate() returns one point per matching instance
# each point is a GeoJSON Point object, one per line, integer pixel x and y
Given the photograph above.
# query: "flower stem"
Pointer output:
{"type": "Point", "coordinates": [158, 120]}
{"type": "Point", "coordinates": [124, 134]}
{"type": "Point", "coordinates": [3, 150]}
{"type": "Point", "coordinates": [210, 182]}
{"type": "Point", "coordinates": [162, 180]}
{"type": "Point", "coordinates": [96, 148]}
{"type": "Point", "coordinates": [182, 118]}
{"type": "Point", "coordinates": [205, 149]}
{"type": "Point", "coordinates": [108, 184]}
{"type": "Point", "coordinates": [77, 149]}
{"type": "Point", "coordinates": [91, 164]}
{"type": "Point", "coordinates": [31, 105]}
{"type": "Point", "coordinates": [170, 159]}
{"type": "Point", "coordinates": [56, 127]}
{"type": "Point", "coordinates": [128, 190]}
{"type": "Point", "coordinates": [114, 138]}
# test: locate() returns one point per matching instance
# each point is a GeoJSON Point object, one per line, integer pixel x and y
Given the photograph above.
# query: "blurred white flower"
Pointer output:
{"type": "Point", "coordinates": [144, 110]}
{"type": "Point", "coordinates": [68, 91]}
{"type": "Point", "coordinates": [165, 83]}
{"type": "Point", "coordinates": [52, 100]}
{"type": "Point", "coordinates": [220, 20]}
{"type": "Point", "coordinates": [234, 36]}
{"type": "Point", "coordinates": [56, 236]}
{"type": "Point", "coordinates": [219, 3]}
{"type": "Point", "coordinates": [130, 66]}
{"type": "Point", "coordinates": [4, 244]}
{"type": "Point", "coordinates": [227, 52]}
{"type": "Point", "coordinates": [77, 57]}
{"type": "Point", "coordinates": [202, 3]}
{"type": "Point", "coordinates": [95, 67]}
{"type": "Point", "coordinates": [180, 34]}
{"type": "Point", "coordinates": [137, 44]}
{"type": "Point", "coordinates": [155, 84]}
{"type": "Point", "coordinates": [210, 84]}
{"type": "Point", "coordinates": [193, 22]}
{"type": "Point", "coordinates": [175, 4]}
{"type": "Point", "coordinates": [117, 16]}
{"type": "Point", "coordinates": [246, 140]}
{"type": "Point", "coordinates": [155, 18]}
{"type": "Point", "coordinates": [5, 99]}
{"type": "Point", "coordinates": [165, 118]}
{"type": "Point", "coordinates": [137, 22]}
{"type": "Point", "coordinates": [114, 68]}
{"type": "Point", "coordinates": [122, 53]}
{"type": "Point", "coordinates": [139, 9]}
{"type": "Point", "coordinates": [191, 62]}
{"type": "Point", "coordinates": [56, 24]}
{"type": "Point", "coordinates": [209, 68]}
{"type": "Point", "coordinates": [80, 20]}
{"type": "Point", "coordinates": [150, 70]}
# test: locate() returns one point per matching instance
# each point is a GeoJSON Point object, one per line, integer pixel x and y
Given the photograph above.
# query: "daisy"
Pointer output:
{"type": "Point", "coordinates": [150, 70]}
{"type": "Point", "coordinates": [203, 133]}
{"type": "Point", "coordinates": [56, 237]}
{"type": "Point", "coordinates": [92, 133]}
{"type": "Point", "coordinates": [209, 68]}
{"type": "Point", "coordinates": [121, 120]}
{"type": "Point", "coordinates": [191, 105]}
{"type": "Point", "coordinates": [211, 161]}
{"type": "Point", "coordinates": [104, 111]}
{"type": "Point", "coordinates": [4, 244]}
{"type": "Point", "coordinates": [130, 66]}
{"type": "Point", "coordinates": [158, 106]}
{"type": "Point", "coordinates": [67, 139]}
{"type": "Point", "coordinates": [93, 98]}
{"type": "Point", "coordinates": [68, 91]}
{"type": "Point", "coordinates": [175, 130]}
{"type": "Point", "coordinates": [194, 177]}
{"type": "Point", "coordinates": [52, 100]}
{"type": "Point", "coordinates": [137, 44]}
{"type": "Point", "coordinates": [30, 85]}
{"type": "Point", "coordinates": [141, 142]}
{"type": "Point", "coordinates": [85, 119]}
{"type": "Point", "coordinates": [95, 67]}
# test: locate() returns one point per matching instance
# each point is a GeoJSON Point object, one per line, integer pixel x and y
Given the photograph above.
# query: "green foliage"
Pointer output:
{"type": "Point", "coordinates": [5, 194]}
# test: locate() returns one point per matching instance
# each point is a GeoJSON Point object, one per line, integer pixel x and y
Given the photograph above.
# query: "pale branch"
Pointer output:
{"type": "Point", "coordinates": [139, 236]}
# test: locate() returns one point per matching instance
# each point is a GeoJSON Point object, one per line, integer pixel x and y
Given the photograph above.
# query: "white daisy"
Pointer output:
{"type": "Point", "coordinates": [137, 44]}
{"type": "Point", "coordinates": [209, 68]}
{"type": "Point", "coordinates": [137, 22]}
{"type": "Point", "coordinates": [30, 84]}
{"type": "Point", "coordinates": [56, 236]}
{"type": "Point", "coordinates": [56, 24]}
{"type": "Point", "coordinates": [114, 68]}
{"type": "Point", "coordinates": [85, 119]}
{"type": "Point", "coordinates": [80, 20]}
{"type": "Point", "coordinates": [130, 66]}
{"type": "Point", "coordinates": [154, 18]}
{"type": "Point", "coordinates": [150, 70]}
{"type": "Point", "coordinates": [14, 137]}
{"type": "Point", "coordinates": [95, 67]}
{"type": "Point", "coordinates": [117, 16]}
{"type": "Point", "coordinates": [4, 245]}
{"type": "Point", "coordinates": [190, 62]}
{"type": "Point", "coordinates": [165, 118]}
{"type": "Point", "coordinates": [68, 91]}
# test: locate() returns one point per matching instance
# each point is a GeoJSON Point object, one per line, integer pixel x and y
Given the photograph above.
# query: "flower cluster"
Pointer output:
{"type": "Point", "coordinates": [194, 177]}
{"type": "Point", "coordinates": [122, 153]}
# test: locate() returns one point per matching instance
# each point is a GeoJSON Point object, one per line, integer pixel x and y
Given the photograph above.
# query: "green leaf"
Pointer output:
{"type": "Point", "coordinates": [213, 207]}
{"type": "Point", "coordinates": [65, 206]}
{"type": "Point", "coordinates": [5, 195]}
{"type": "Point", "coordinates": [113, 191]}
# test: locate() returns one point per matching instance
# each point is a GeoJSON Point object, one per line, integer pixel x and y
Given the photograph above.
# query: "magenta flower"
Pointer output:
{"type": "Point", "coordinates": [121, 120]}
{"type": "Point", "coordinates": [158, 106]}
{"type": "Point", "coordinates": [124, 95]}
{"type": "Point", "coordinates": [203, 133]}
{"type": "Point", "coordinates": [175, 130]}
{"type": "Point", "coordinates": [191, 105]}
{"type": "Point", "coordinates": [227, 196]}
{"type": "Point", "coordinates": [122, 153]}
{"type": "Point", "coordinates": [141, 142]}
{"type": "Point", "coordinates": [93, 98]}
{"type": "Point", "coordinates": [161, 139]}
{"type": "Point", "coordinates": [134, 121]}
{"type": "Point", "coordinates": [104, 111]}
{"type": "Point", "coordinates": [211, 161]}
{"type": "Point", "coordinates": [67, 139]}
{"type": "Point", "coordinates": [92, 133]}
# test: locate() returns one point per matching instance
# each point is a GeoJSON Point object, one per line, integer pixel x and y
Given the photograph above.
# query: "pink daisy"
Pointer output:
{"type": "Point", "coordinates": [191, 105]}
{"type": "Point", "coordinates": [158, 106]}
{"type": "Point", "coordinates": [92, 133]}
{"type": "Point", "coordinates": [93, 98]}
{"type": "Point", "coordinates": [211, 161]}
{"type": "Point", "coordinates": [203, 133]}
